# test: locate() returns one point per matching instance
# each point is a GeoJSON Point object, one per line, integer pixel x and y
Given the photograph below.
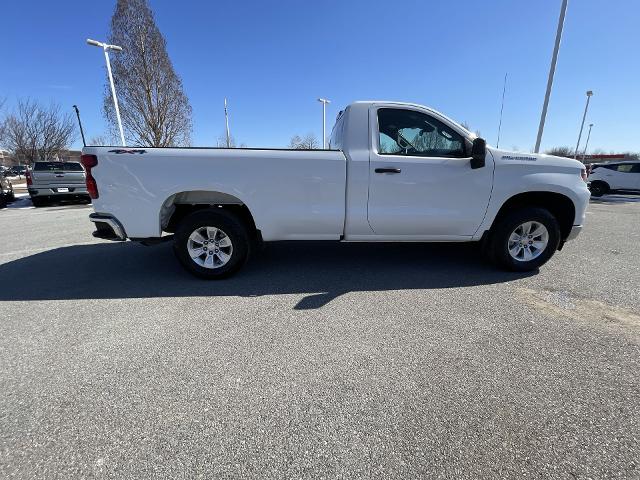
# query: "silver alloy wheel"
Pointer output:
{"type": "Point", "coordinates": [528, 241]}
{"type": "Point", "coordinates": [210, 247]}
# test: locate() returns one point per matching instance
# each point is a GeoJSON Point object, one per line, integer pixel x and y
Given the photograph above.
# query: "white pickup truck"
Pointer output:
{"type": "Point", "coordinates": [395, 172]}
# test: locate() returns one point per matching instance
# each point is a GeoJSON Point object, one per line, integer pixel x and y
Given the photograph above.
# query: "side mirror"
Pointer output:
{"type": "Point", "coordinates": [478, 153]}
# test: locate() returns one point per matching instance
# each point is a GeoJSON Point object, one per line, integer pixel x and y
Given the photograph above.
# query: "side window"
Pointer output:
{"type": "Point", "coordinates": [335, 142]}
{"type": "Point", "coordinates": [407, 132]}
{"type": "Point", "coordinates": [636, 168]}
{"type": "Point", "coordinates": [625, 167]}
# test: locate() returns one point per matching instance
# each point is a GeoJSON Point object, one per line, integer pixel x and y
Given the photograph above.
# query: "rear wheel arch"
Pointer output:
{"type": "Point", "coordinates": [180, 205]}
{"type": "Point", "coordinates": [559, 205]}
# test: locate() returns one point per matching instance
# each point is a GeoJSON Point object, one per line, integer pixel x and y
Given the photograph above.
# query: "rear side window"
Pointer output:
{"type": "Point", "coordinates": [72, 167]}
{"type": "Point", "coordinates": [625, 167]}
{"type": "Point", "coordinates": [335, 142]}
{"type": "Point", "coordinates": [47, 166]}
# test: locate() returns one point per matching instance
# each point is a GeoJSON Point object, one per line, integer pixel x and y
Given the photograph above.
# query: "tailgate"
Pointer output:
{"type": "Point", "coordinates": [58, 173]}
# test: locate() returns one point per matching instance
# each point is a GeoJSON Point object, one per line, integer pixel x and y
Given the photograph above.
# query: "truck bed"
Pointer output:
{"type": "Point", "coordinates": [292, 194]}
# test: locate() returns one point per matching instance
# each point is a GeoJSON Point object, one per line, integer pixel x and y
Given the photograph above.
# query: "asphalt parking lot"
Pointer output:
{"type": "Point", "coordinates": [317, 360]}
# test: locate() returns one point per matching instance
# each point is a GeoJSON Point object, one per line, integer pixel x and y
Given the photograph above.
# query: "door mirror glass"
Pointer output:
{"type": "Point", "coordinates": [478, 152]}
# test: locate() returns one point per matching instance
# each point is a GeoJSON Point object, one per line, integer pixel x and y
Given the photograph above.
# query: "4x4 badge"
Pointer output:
{"type": "Point", "coordinates": [122, 150]}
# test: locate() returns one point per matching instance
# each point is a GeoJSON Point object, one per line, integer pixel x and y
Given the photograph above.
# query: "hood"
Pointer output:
{"type": "Point", "coordinates": [540, 159]}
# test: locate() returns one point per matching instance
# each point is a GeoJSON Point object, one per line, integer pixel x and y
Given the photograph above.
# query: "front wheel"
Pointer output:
{"type": "Point", "coordinates": [211, 243]}
{"type": "Point", "coordinates": [525, 239]}
{"type": "Point", "coordinates": [598, 189]}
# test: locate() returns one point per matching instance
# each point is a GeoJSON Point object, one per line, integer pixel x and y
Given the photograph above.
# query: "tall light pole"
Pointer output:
{"type": "Point", "coordinates": [552, 71]}
{"type": "Point", "coordinates": [584, 152]}
{"type": "Point", "coordinates": [504, 89]}
{"type": "Point", "coordinates": [584, 116]}
{"type": "Point", "coordinates": [106, 47]}
{"type": "Point", "coordinates": [226, 122]}
{"type": "Point", "coordinates": [324, 102]}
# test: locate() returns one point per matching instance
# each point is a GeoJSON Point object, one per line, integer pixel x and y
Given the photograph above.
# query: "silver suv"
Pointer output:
{"type": "Point", "coordinates": [48, 181]}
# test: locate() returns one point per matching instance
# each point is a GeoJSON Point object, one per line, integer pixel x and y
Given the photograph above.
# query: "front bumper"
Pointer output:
{"type": "Point", "coordinates": [107, 227]}
{"type": "Point", "coordinates": [575, 231]}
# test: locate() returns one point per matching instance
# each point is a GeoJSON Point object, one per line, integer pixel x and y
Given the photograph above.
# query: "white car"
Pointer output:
{"type": "Point", "coordinates": [395, 172]}
{"type": "Point", "coordinates": [615, 177]}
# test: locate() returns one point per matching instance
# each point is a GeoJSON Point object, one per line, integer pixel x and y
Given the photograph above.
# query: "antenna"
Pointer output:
{"type": "Point", "coordinates": [226, 121]}
{"type": "Point", "coordinates": [504, 88]}
{"type": "Point", "coordinates": [75, 107]}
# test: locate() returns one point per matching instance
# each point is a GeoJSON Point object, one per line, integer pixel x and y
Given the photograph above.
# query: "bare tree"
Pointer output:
{"type": "Point", "coordinates": [466, 126]}
{"type": "Point", "coordinates": [222, 142]}
{"type": "Point", "coordinates": [35, 132]}
{"type": "Point", "coordinates": [98, 140]}
{"type": "Point", "coordinates": [561, 152]}
{"type": "Point", "coordinates": [154, 108]}
{"type": "Point", "coordinates": [309, 142]}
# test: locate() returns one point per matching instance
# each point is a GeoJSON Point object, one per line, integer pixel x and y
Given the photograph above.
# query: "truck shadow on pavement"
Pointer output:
{"type": "Point", "coordinates": [323, 270]}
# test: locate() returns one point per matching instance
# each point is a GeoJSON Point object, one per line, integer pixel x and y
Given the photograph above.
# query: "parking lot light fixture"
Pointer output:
{"type": "Point", "coordinates": [324, 102]}
{"type": "Point", "coordinates": [584, 152]}
{"type": "Point", "coordinates": [106, 47]}
{"type": "Point", "coordinates": [552, 71]}
{"type": "Point", "coordinates": [584, 116]}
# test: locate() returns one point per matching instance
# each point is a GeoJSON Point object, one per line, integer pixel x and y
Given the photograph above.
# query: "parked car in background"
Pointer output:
{"type": "Point", "coordinates": [49, 181]}
{"type": "Point", "coordinates": [6, 191]}
{"type": "Point", "coordinates": [18, 170]}
{"type": "Point", "coordinates": [615, 177]}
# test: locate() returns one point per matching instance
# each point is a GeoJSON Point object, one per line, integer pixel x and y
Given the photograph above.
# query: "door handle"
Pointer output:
{"type": "Point", "coordinates": [388, 170]}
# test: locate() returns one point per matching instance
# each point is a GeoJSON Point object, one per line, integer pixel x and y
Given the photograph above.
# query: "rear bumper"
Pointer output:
{"type": "Point", "coordinates": [575, 231]}
{"type": "Point", "coordinates": [107, 227]}
{"type": "Point", "coordinates": [58, 191]}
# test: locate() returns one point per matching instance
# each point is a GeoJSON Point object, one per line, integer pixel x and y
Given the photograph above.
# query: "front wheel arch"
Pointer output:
{"type": "Point", "coordinates": [559, 205]}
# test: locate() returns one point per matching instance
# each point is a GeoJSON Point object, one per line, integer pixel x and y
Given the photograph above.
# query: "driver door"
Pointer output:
{"type": "Point", "coordinates": [421, 183]}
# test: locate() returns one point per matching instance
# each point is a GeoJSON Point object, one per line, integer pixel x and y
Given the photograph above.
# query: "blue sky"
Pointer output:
{"type": "Point", "coordinates": [272, 59]}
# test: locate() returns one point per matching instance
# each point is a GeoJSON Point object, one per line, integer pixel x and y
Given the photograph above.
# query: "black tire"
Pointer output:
{"type": "Point", "coordinates": [38, 202]}
{"type": "Point", "coordinates": [502, 230]}
{"type": "Point", "coordinates": [598, 188]}
{"type": "Point", "coordinates": [231, 226]}
{"type": "Point", "coordinates": [3, 200]}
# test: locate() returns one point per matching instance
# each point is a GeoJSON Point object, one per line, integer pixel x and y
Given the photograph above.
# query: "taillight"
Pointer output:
{"type": "Point", "coordinates": [583, 174]}
{"type": "Point", "coordinates": [27, 175]}
{"type": "Point", "coordinates": [90, 161]}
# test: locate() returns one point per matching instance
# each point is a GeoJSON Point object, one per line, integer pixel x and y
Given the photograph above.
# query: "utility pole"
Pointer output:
{"type": "Point", "coordinates": [552, 71]}
{"type": "Point", "coordinates": [584, 116]}
{"type": "Point", "coordinates": [324, 102]}
{"type": "Point", "coordinates": [504, 88]}
{"type": "Point", "coordinates": [106, 47]}
{"type": "Point", "coordinates": [584, 152]}
{"type": "Point", "coordinates": [226, 121]}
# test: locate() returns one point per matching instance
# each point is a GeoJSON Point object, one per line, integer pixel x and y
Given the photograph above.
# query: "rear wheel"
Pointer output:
{"type": "Point", "coordinates": [38, 201]}
{"type": "Point", "coordinates": [598, 188]}
{"type": "Point", "coordinates": [524, 239]}
{"type": "Point", "coordinates": [212, 243]}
